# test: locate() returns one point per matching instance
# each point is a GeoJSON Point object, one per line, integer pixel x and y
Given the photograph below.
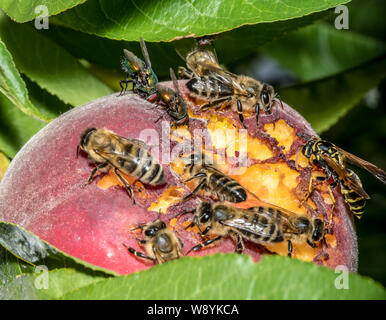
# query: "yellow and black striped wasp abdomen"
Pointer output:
{"type": "Point", "coordinates": [355, 202]}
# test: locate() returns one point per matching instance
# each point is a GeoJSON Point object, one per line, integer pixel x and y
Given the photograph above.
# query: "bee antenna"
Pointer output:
{"type": "Point", "coordinates": [77, 150]}
{"type": "Point", "coordinates": [159, 215]}
{"type": "Point", "coordinates": [192, 224]}
{"type": "Point", "coordinates": [281, 103]}
{"type": "Point", "coordinates": [140, 226]}
{"type": "Point", "coordinates": [184, 212]}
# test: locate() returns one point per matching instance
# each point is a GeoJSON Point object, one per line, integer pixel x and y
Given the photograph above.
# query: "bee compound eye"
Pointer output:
{"type": "Point", "coordinates": [205, 217]}
{"type": "Point", "coordinates": [151, 232]}
{"type": "Point", "coordinates": [265, 98]}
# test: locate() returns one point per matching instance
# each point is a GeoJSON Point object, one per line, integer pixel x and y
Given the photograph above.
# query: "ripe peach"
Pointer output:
{"type": "Point", "coordinates": [42, 189]}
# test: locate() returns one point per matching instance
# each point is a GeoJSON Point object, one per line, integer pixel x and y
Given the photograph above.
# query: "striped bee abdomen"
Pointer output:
{"type": "Point", "coordinates": [209, 87]}
{"type": "Point", "coordinates": [261, 228]}
{"type": "Point", "coordinates": [140, 164]}
{"type": "Point", "coordinates": [226, 189]}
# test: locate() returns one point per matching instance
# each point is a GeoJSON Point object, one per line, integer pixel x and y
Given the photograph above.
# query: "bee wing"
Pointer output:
{"type": "Point", "coordinates": [254, 227]}
{"type": "Point", "coordinates": [216, 69]}
{"type": "Point", "coordinates": [373, 169]}
{"type": "Point", "coordinates": [144, 52]}
{"type": "Point", "coordinates": [109, 154]}
{"type": "Point", "coordinates": [225, 77]}
{"type": "Point", "coordinates": [343, 174]}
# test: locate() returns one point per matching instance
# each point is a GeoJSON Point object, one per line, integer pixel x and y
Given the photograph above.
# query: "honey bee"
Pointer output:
{"type": "Point", "coordinates": [261, 225]}
{"type": "Point", "coordinates": [175, 104]}
{"type": "Point", "coordinates": [210, 82]}
{"type": "Point", "coordinates": [106, 150]}
{"type": "Point", "coordinates": [160, 243]}
{"type": "Point", "coordinates": [332, 160]}
{"type": "Point", "coordinates": [140, 73]}
{"type": "Point", "coordinates": [199, 61]}
{"type": "Point", "coordinates": [214, 182]}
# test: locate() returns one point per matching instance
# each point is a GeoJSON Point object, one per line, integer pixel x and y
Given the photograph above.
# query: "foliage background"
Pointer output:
{"type": "Point", "coordinates": [335, 78]}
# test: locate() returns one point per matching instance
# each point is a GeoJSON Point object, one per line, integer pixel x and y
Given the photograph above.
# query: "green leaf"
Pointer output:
{"type": "Point", "coordinates": [13, 86]}
{"type": "Point", "coordinates": [45, 102]}
{"type": "Point", "coordinates": [41, 284]}
{"type": "Point", "coordinates": [28, 267]}
{"type": "Point", "coordinates": [16, 128]}
{"type": "Point", "coordinates": [321, 50]}
{"type": "Point", "coordinates": [108, 53]}
{"type": "Point", "coordinates": [11, 267]}
{"type": "Point", "coordinates": [324, 101]}
{"type": "Point", "coordinates": [21, 280]}
{"type": "Point", "coordinates": [26, 10]}
{"type": "Point", "coordinates": [231, 276]}
{"type": "Point", "coordinates": [169, 20]}
{"type": "Point", "coordinates": [29, 248]}
{"type": "Point", "coordinates": [230, 46]}
{"type": "Point", "coordinates": [49, 65]}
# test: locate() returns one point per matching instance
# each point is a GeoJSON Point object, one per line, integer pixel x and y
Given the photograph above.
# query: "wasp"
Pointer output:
{"type": "Point", "coordinates": [175, 104]}
{"type": "Point", "coordinates": [108, 150]}
{"type": "Point", "coordinates": [261, 225]}
{"type": "Point", "coordinates": [332, 160]}
{"type": "Point", "coordinates": [160, 243]}
{"type": "Point", "coordinates": [210, 82]}
{"type": "Point", "coordinates": [141, 74]}
{"type": "Point", "coordinates": [214, 182]}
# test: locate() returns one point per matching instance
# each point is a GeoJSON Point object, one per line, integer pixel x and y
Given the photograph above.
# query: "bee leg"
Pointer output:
{"type": "Point", "coordinates": [240, 112]}
{"type": "Point", "coordinates": [290, 248]}
{"type": "Point", "coordinates": [141, 241]}
{"type": "Point", "coordinates": [196, 176]}
{"type": "Point", "coordinates": [126, 184]}
{"type": "Point", "coordinates": [138, 253]}
{"type": "Point", "coordinates": [184, 74]}
{"type": "Point", "coordinates": [281, 103]}
{"type": "Point", "coordinates": [239, 244]}
{"type": "Point", "coordinates": [257, 111]}
{"type": "Point", "coordinates": [200, 186]}
{"type": "Point", "coordinates": [311, 244]}
{"type": "Point", "coordinates": [206, 230]}
{"type": "Point", "coordinates": [93, 173]}
{"type": "Point", "coordinates": [204, 244]}
{"type": "Point", "coordinates": [213, 103]}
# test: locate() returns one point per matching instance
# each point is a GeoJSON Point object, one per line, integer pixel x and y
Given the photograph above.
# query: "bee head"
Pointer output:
{"type": "Point", "coordinates": [153, 228]}
{"type": "Point", "coordinates": [317, 230]}
{"type": "Point", "coordinates": [204, 214]}
{"type": "Point", "coordinates": [85, 137]}
{"type": "Point", "coordinates": [266, 97]}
